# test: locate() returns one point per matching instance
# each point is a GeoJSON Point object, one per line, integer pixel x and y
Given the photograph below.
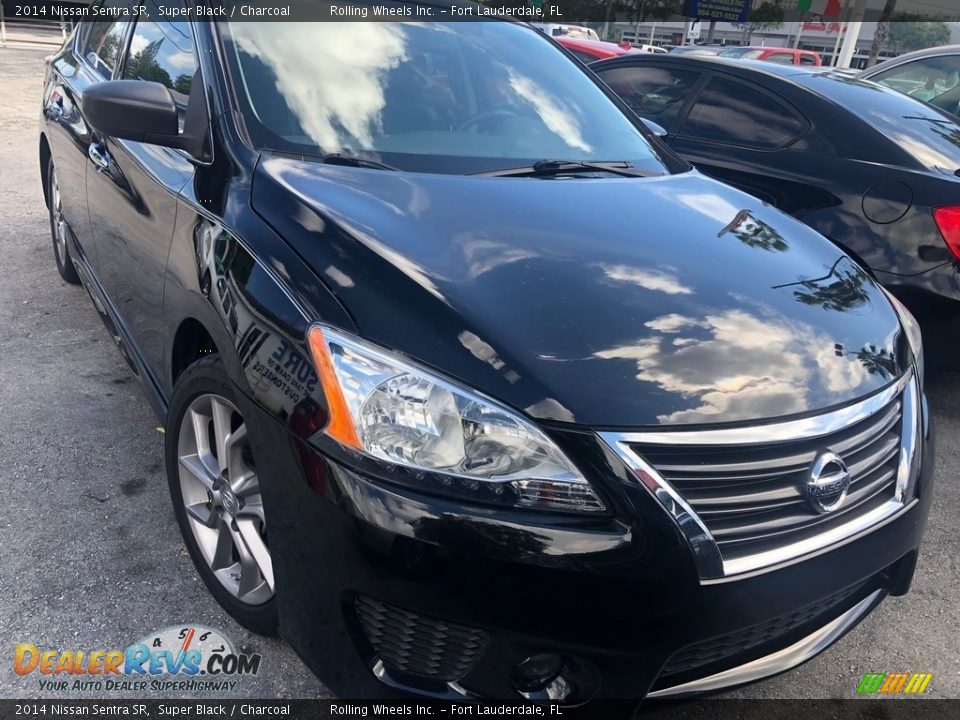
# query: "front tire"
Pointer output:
{"type": "Point", "coordinates": [59, 229]}
{"type": "Point", "coordinates": [216, 495]}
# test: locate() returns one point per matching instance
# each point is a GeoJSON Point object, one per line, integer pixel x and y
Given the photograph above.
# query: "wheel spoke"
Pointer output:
{"type": "Point", "coordinates": [246, 486]}
{"type": "Point", "coordinates": [199, 470]}
{"type": "Point", "coordinates": [254, 546]}
{"type": "Point", "coordinates": [201, 438]}
{"type": "Point", "coordinates": [223, 554]}
{"type": "Point", "coordinates": [233, 452]}
{"type": "Point", "coordinates": [204, 513]}
{"type": "Point", "coordinates": [252, 508]}
{"type": "Point", "coordinates": [221, 429]}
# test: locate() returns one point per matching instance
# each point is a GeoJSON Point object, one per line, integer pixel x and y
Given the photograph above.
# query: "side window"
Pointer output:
{"type": "Point", "coordinates": [781, 58]}
{"type": "Point", "coordinates": [732, 112]}
{"type": "Point", "coordinates": [656, 93]}
{"type": "Point", "coordinates": [924, 79]}
{"type": "Point", "coordinates": [163, 52]}
{"type": "Point", "coordinates": [103, 45]}
{"type": "Point", "coordinates": [808, 60]}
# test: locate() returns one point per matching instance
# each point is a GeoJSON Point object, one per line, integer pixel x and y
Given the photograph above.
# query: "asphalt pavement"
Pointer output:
{"type": "Point", "coordinates": [90, 554]}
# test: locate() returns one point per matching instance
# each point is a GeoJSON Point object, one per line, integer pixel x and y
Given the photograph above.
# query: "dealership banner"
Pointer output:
{"type": "Point", "coordinates": [735, 11]}
{"type": "Point", "coordinates": [569, 11]}
{"type": "Point", "coordinates": [433, 709]}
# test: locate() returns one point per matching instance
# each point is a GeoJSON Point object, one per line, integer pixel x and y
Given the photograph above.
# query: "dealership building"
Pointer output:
{"type": "Point", "coordinates": [822, 37]}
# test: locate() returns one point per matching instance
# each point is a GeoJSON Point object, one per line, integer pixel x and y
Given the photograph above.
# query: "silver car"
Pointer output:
{"type": "Point", "coordinates": [931, 75]}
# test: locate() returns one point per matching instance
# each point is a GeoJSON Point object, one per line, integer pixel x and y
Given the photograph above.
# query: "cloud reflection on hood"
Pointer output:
{"type": "Point", "coordinates": [738, 365]}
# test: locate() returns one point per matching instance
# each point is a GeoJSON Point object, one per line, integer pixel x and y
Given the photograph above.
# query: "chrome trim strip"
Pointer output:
{"type": "Point", "coordinates": [780, 661]}
{"type": "Point", "coordinates": [833, 536]}
{"type": "Point", "coordinates": [454, 690]}
{"type": "Point", "coordinates": [909, 442]}
{"type": "Point", "coordinates": [706, 553]}
{"type": "Point", "coordinates": [773, 432]}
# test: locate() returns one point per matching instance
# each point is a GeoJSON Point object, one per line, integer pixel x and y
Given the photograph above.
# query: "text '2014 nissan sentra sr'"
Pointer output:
{"type": "Point", "coordinates": [471, 387]}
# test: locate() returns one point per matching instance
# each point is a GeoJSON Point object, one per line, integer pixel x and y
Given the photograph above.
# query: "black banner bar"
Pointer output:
{"type": "Point", "coordinates": [719, 709]}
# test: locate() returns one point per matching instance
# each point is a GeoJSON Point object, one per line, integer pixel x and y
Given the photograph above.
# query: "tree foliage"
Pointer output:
{"type": "Point", "coordinates": [912, 32]}
{"type": "Point", "coordinates": [768, 15]}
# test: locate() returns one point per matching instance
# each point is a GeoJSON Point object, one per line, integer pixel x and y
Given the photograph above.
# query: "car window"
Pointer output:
{"type": "Point", "coordinates": [808, 60]}
{"type": "Point", "coordinates": [431, 97]}
{"type": "Point", "coordinates": [924, 79]}
{"type": "Point", "coordinates": [163, 52]}
{"type": "Point", "coordinates": [732, 112]}
{"type": "Point", "coordinates": [782, 58]}
{"type": "Point", "coordinates": [656, 93]}
{"type": "Point", "coordinates": [103, 45]}
{"type": "Point", "coordinates": [930, 137]}
{"type": "Point", "coordinates": [742, 53]}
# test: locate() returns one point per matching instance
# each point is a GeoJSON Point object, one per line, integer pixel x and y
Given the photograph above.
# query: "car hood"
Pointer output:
{"type": "Point", "coordinates": [608, 302]}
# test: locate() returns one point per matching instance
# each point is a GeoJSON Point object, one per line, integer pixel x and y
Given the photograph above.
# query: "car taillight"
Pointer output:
{"type": "Point", "coordinates": [948, 222]}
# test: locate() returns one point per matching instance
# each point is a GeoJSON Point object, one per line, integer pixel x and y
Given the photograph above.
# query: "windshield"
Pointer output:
{"type": "Point", "coordinates": [434, 97]}
{"type": "Point", "coordinates": [744, 54]}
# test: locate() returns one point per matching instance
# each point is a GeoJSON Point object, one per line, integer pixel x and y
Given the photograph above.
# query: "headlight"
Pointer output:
{"type": "Point", "coordinates": [392, 410]}
{"type": "Point", "coordinates": [912, 328]}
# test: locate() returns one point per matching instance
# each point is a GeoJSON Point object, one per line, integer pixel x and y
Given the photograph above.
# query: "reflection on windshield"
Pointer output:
{"type": "Point", "coordinates": [348, 104]}
{"type": "Point", "coordinates": [739, 364]}
{"type": "Point", "coordinates": [474, 91]}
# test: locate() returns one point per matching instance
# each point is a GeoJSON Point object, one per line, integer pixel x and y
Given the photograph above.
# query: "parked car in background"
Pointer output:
{"type": "Point", "coordinates": [556, 30]}
{"type": "Point", "coordinates": [868, 167]}
{"type": "Point", "coordinates": [701, 50]}
{"type": "Point", "coordinates": [471, 387]}
{"type": "Point", "coordinates": [931, 75]}
{"type": "Point", "coordinates": [592, 50]}
{"type": "Point", "coordinates": [781, 55]}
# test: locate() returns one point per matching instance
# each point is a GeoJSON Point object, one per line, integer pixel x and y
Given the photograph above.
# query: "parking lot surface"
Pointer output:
{"type": "Point", "coordinates": [90, 554]}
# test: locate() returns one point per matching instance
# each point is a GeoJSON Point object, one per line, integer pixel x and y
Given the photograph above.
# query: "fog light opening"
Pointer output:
{"type": "Point", "coordinates": [540, 677]}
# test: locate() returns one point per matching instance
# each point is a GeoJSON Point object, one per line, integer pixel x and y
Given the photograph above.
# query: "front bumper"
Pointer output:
{"type": "Point", "coordinates": [617, 597]}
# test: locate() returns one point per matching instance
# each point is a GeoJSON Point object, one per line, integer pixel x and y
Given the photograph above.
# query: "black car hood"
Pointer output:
{"type": "Point", "coordinates": [610, 302]}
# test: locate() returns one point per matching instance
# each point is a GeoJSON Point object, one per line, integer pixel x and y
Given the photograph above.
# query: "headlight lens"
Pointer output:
{"type": "Point", "coordinates": [914, 337]}
{"type": "Point", "coordinates": [393, 410]}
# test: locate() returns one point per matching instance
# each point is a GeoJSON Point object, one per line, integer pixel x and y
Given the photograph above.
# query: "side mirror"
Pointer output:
{"type": "Point", "coordinates": [137, 110]}
{"type": "Point", "coordinates": [654, 128]}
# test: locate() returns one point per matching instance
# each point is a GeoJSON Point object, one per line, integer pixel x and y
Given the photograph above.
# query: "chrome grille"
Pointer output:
{"type": "Point", "coordinates": [738, 494]}
{"type": "Point", "coordinates": [750, 497]}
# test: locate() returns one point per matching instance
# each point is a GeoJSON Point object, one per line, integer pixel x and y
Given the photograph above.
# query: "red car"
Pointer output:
{"type": "Point", "coordinates": [782, 55]}
{"type": "Point", "coordinates": [591, 50]}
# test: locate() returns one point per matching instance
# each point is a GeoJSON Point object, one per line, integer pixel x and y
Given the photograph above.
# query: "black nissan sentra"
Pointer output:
{"type": "Point", "coordinates": [471, 387]}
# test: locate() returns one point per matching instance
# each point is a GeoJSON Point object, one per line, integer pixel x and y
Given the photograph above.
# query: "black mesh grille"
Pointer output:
{"type": "Point", "coordinates": [736, 643]}
{"type": "Point", "coordinates": [750, 497]}
{"type": "Point", "coordinates": [417, 644]}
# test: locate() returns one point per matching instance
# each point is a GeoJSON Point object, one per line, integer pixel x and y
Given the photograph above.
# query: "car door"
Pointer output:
{"type": "Point", "coordinates": [89, 57]}
{"type": "Point", "coordinates": [132, 189]}
{"type": "Point", "coordinates": [740, 133]}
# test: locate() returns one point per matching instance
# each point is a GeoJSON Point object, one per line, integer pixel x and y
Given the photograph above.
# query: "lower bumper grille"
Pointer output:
{"type": "Point", "coordinates": [419, 645]}
{"type": "Point", "coordinates": [742, 641]}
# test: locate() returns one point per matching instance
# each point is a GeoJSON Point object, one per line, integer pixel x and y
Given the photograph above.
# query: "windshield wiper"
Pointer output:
{"type": "Point", "coordinates": [354, 161]}
{"type": "Point", "coordinates": [547, 168]}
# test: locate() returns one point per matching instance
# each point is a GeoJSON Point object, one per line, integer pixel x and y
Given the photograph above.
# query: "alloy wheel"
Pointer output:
{"type": "Point", "coordinates": [220, 491]}
{"type": "Point", "coordinates": [59, 224]}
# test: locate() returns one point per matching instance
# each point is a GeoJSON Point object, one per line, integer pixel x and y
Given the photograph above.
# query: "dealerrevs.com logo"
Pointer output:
{"type": "Point", "coordinates": [184, 658]}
